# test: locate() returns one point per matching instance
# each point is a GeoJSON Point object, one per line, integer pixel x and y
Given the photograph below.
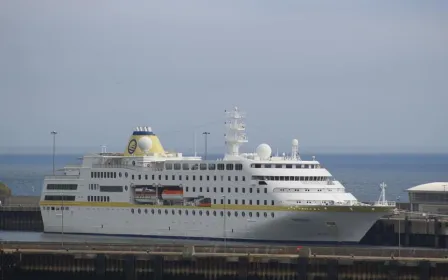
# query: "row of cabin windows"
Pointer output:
{"type": "Point", "coordinates": [53, 208]}
{"type": "Point", "coordinates": [65, 187]}
{"type": "Point", "coordinates": [167, 177]}
{"type": "Point", "coordinates": [307, 190]}
{"type": "Point", "coordinates": [193, 177]}
{"type": "Point", "coordinates": [60, 197]}
{"type": "Point", "coordinates": [243, 202]}
{"type": "Point", "coordinates": [229, 190]}
{"type": "Point", "coordinates": [201, 213]}
{"type": "Point", "coordinates": [204, 166]}
{"type": "Point", "coordinates": [291, 178]}
{"type": "Point", "coordinates": [296, 166]}
{"type": "Point", "coordinates": [94, 187]}
{"type": "Point", "coordinates": [98, 198]}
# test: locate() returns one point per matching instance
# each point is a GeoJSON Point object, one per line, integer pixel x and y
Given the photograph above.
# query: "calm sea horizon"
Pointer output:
{"type": "Point", "coordinates": [361, 174]}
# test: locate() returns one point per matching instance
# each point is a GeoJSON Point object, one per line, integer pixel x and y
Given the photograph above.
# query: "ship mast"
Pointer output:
{"type": "Point", "coordinates": [235, 131]}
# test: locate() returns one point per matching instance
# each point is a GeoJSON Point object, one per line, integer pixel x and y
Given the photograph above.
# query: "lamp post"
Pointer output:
{"type": "Point", "coordinates": [54, 146]}
{"type": "Point", "coordinates": [224, 230]}
{"type": "Point", "coordinates": [205, 133]}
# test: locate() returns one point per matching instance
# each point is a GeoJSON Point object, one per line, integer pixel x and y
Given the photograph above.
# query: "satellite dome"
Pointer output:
{"type": "Point", "coordinates": [264, 151]}
{"type": "Point", "coordinates": [295, 142]}
{"type": "Point", "coordinates": [145, 144]}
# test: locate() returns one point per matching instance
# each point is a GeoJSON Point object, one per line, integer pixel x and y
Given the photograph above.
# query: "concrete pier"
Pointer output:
{"type": "Point", "coordinates": [171, 262]}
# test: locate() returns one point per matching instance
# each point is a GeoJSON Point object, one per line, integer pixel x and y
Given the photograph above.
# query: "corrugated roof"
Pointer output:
{"type": "Point", "coordinates": [430, 187]}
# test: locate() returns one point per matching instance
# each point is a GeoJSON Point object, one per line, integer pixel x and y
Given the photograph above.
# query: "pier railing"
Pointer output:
{"type": "Point", "coordinates": [208, 250]}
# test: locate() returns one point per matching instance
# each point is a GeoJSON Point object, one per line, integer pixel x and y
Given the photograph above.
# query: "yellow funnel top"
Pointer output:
{"type": "Point", "coordinates": [143, 142]}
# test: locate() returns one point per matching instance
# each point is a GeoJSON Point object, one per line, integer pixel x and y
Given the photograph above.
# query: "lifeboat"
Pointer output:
{"type": "Point", "coordinates": [172, 194]}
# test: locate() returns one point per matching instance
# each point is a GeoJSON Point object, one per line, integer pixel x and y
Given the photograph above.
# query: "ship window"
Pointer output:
{"type": "Point", "coordinates": [214, 178]}
{"type": "Point", "coordinates": [238, 166]}
{"type": "Point", "coordinates": [180, 177]}
{"type": "Point", "coordinates": [67, 187]}
{"type": "Point", "coordinates": [282, 178]}
{"type": "Point", "coordinates": [265, 214]}
{"type": "Point", "coordinates": [125, 188]}
{"type": "Point", "coordinates": [243, 202]}
{"type": "Point", "coordinates": [200, 189]}
{"type": "Point", "coordinates": [258, 202]}
{"type": "Point", "coordinates": [194, 189]}
{"type": "Point", "coordinates": [222, 201]}
{"type": "Point", "coordinates": [305, 166]}
{"type": "Point", "coordinates": [258, 214]}
{"type": "Point", "coordinates": [194, 177]}
{"type": "Point", "coordinates": [185, 166]}
{"type": "Point", "coordinates": [186, 177]}
{"type": "Point", "coordinates": [243, 214]}
{"type": "Point", "coordinates": [133, 176]}
{"type": "Point", "coordinates": [250, 214]}
{"type": "Point", "coordinates": [186, 189]}
{"type": "Point", "coordinates": [152, 177]}
{"type": "Point", "coordinates": [208, 189]}
{"type": "Point", "coordinates": [236, 201]}
{"type": "Point", "coordinates": [208, 178]}
{"type": "Point", "coordinates": [177, 166]}
{"type": "Point", "coordinates": [139, 211]}
{"type": "Point", "coordinates": [222, 189]}
{"type": "Point", "coordinates": [214, 201]}
{"type": "Point", "coordinates": [186, 212]}
{"type": "Point", "coordinates": [236, 178]}
{"type": "Point", "coordinates": [228, 214]}
{"type": "Point", "coordinates": [250, 190]}
{"type": "Point", "coordinates": [258, 190]}
{"type": "Point", "coordinates": [289, 166]}
{"type": "Point", "coordinates": [250, 202]}
{"type": "Point", "coordinates": [265, 202]}
{"type": "Point", "coordinates": [272, 202]}
{"type": "Point", "coordinates": [179, 212]}
{"type": "Point", "coordinates": [111, 188]}
{"type": "Point", "coordinates": [214, 189]}
{"type": "Point", "coordinates": [60, 197]}
{"type": "Point", "coordinates": [278, 166]}
{"type": "Point", "coordinates": [244, 178]}
{"type": "Point", "coordinates": [214, 213]}
{"type": "Point", "coordinates": [194, 166]}
{"type": "Point", "coordinates": [222, 214]}
{"type": "Point", "coordinates": [265, 190]}
{"type": "Point", "coordinates": [173, 212]}
{"type": "Point", "coordinates": [173, 177]}
{"type": "Point", "coordinates": [211, 166]}
{"type": "Point", "coordinates": [244, 190]}
{"type": "Point", "coordinates": [88, 198]}
{"type": "Point", "coordinates": [228, 201]}
{"type": "Point", "coordinates": [222, 178]}
{"type": "Point", "coordinates": [146, 176]}
{"type": "Point", "coordinates": [256, 165]}
{"type": "Point", "coordinates": [229, 178]}
{"type": "Point", "coordinates": [159, 211]}
{"type": "Point", "coordinates": [146, 211]}
{"type": "Point", "coordinates": [160, 177]}
{"type": "Point", "coordinates": [220, 166]}
{"type": "Point", "coordinates": [166, 211]}
{"type": "Point", "coordinates": [236, 190]}
{"type": "Point", "coordinates": [168, 166]}
{"type": "Point", "coordinates": [200, 177]}
{"type": "Point", "coordinates": [152, 211]}
{"type": "Point", "coordinates": [166, 177]}
{"type": "Point", "coordinates": [200, 212]}
{"type": "Point", "coordinates": [207, 212]}
{"type": "Point", "coordinates": [267, 166]}
{"type": "Point", "coordinates": [228, 190]}
{"type": "Point", "coordinates": [236, 214]}
{"type": "Point", "coordinates": [203, 166]}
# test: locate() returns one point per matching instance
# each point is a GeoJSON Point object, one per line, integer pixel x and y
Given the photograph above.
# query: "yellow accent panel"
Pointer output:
{"type": "Point", "coordinates": [132, 145]}
{"type": "Point", "coordinates": [227, 207]}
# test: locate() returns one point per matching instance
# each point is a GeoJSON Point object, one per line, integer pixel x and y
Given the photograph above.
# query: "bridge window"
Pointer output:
{"type": "Point", "coordinates": [203, 166]}
{"type": "Point", "coordinates": [67, 187]}
{"type": "Point", "coordinates": [60, 197]}
{"type": "Point", "coordinates": [185, 166]}
{"type": "Point", "coordinates": [111, 188]}
{"type": "Point", "coordinates": [169, 166]}
{"type": "Point", "coordinates": [238, 166]}
{"type": "Point", "coordinates": [211, 166]}
{"type": "Point", "coordinates": [177, 166]}
{"type": "Point", "coordinates": [220, 166]}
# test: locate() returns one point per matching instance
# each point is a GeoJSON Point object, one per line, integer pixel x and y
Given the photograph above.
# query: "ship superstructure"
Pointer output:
{"type": "Point", "coordinates": [147, 191]}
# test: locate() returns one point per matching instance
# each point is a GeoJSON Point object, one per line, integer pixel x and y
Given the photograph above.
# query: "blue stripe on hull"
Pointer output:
{"type": "Point", "coordinates": [285, 242]}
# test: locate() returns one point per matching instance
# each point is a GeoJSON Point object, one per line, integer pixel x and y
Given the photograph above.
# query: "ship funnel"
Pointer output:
{"type": "Point", "coordinates": [143, 142]}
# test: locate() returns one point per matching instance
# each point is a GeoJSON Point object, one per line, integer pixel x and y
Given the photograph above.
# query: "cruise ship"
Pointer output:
{"type": "Point", "coordinates": [148, 191]}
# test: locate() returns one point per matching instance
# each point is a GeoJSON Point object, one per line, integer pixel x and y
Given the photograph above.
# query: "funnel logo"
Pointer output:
{"type": "Point", "coordinates": [132, 146]}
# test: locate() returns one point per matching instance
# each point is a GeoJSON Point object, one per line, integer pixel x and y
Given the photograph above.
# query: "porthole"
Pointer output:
{"type": "Point", "coordinates": [222, 214]}
{"type": "Point", "coordinates": [173, 212]}
{"type": "Point", "coordinates": [250, 214]}
{"type": "Point", "coordinates": [200, 212]}
{"type": "Point", "coordinates": [166, 211]}
{"type": "Point", "coordinates": [193, 212]}
{"type": "Point", "coordinates": [243, 214]}
{"type": "Point", "coordinates": [186, 212]}
{"type": "Point", "coordinates": [132, 211]}
{"type": "Point", "coordinates": [236, 214]}
{"type": "Point", "coordinates": [265, 214]}
{"type": "Point", "coordinates": [119, 174]}
{"type": "Point", "coordinates": [152, 211]}
{"type": "Point", "coordinates": [139, 211]}
{"type": "Point", "coordinates": [272, 214]}
{"type": "Point", "coordinates": [214, 213]}
{"type": "Point", "coordinates": [125, 188]}
{"type": "Point", "coordinates": [228, 214]}
{"type": "Point", "coordinates": [133, 162]}
{"type": "Point", "coordinates": [180, 212]}
{"type": "Point", "coordinates": [146, 211]}
{"type": "Point", "coordinates": [258, 214]}
{"type": "Point", "coordinates": [207, 212]}
{"type": "Point", "coordinates": [139, 177]}
{"type": "Point", "coordinates": [126, 174]}
{"type": "Point", "coordinates": [159, 211]}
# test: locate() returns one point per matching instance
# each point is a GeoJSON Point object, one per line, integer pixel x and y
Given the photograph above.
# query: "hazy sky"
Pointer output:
{"type": "Point", "coordinates": [339, 76]}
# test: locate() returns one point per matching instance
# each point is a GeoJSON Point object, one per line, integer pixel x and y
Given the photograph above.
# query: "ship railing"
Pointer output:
{"type": "Point", "coordinates": [126, 166]}
{"type": "Point", "coordinates": [61, 177]}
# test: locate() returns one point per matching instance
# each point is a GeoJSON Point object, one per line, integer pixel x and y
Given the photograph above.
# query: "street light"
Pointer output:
{"type": "Point", "coordinates": [205, 133]}
{"type": "Point", "coordinates": [54, 146]}
{"type": "Point", "coordinates": [224, 230]}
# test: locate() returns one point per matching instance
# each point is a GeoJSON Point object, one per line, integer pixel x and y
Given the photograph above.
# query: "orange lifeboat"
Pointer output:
{"type": "Point", "coordinates": [173, 194]}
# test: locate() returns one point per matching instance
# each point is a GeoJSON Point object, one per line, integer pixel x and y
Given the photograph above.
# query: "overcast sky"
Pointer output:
{"type": "Point", "coordinates": [339, 76]}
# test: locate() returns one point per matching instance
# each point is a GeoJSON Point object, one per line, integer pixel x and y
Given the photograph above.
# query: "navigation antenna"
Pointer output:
{"type": "Point", "coordinates": [382, 199]}
{"type": "Point", "coordinates": [235, 131]}
{"type": "Point", "coordinates": [103, 149]}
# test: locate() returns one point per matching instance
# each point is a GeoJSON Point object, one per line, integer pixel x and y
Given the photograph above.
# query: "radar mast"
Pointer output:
{"type": "Point", "coordinates": [235, 131]}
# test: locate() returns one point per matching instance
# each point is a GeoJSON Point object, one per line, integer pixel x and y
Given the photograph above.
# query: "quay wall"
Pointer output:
{"type": "Point", "coordinates": [192, 263]}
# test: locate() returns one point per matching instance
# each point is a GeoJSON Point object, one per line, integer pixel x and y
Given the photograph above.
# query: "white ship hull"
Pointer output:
{"type": "Point", "coordinates": [287, 226]}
